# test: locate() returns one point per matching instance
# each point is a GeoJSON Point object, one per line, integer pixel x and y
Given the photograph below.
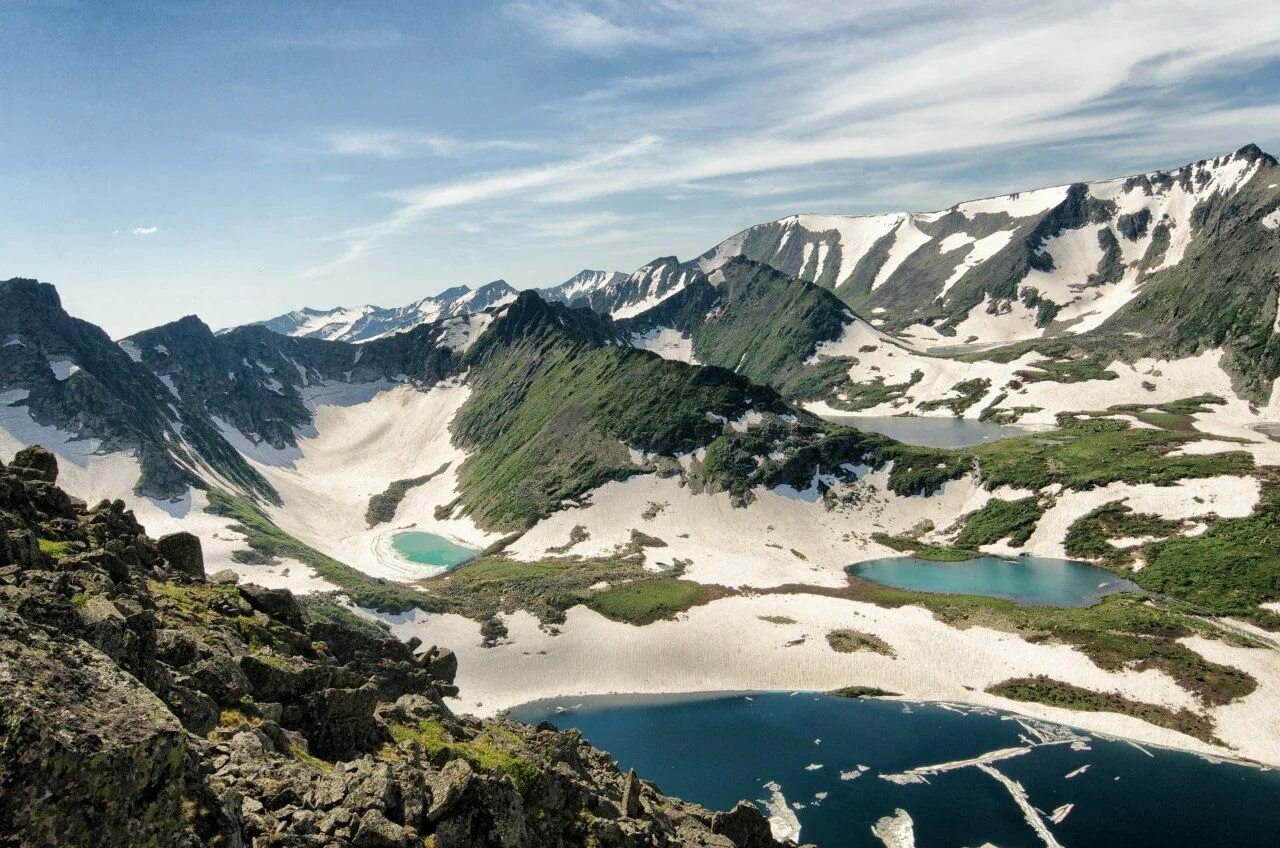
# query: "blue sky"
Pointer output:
{"type": "Point", "coordinates": [238, 160]}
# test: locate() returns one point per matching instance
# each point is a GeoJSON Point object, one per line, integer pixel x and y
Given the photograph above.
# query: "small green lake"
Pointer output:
{"type": "Point", "coordinates": [1026, 580]}
{"type": "Point", "coordinates": [430, 549]}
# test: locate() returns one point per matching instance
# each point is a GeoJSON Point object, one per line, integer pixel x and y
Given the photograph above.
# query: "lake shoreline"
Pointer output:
{"type": "Point", "coordinates": [610, 700]}
{"type": "Point", "coordinates": [733, 645]}
{"type": "Point", "coordinates": [960, 773]}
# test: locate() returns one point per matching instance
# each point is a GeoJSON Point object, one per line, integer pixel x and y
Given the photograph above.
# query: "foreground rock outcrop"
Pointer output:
{"type": "Point", "coordinates": [143, 705]}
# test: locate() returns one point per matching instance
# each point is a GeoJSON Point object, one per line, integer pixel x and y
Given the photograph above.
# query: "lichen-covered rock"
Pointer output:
{"type": "Point", "coordinates": [84, 750]}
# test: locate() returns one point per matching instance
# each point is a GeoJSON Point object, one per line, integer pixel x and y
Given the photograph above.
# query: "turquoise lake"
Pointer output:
{"type": "Point", "coordinates": [826, 756]}
{"type": "Point", "coordinates": [939, 432]}
{"type": "Point", "coordinates": [430, 549]}
{"type": "Point", "coordinates": [1024, 580]}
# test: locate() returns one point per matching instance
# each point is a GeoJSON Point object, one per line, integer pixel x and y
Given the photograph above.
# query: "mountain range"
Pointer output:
{"type": "Point", "coordinates": [698, 448]}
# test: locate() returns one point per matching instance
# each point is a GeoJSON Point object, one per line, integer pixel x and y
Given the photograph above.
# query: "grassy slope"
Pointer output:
{"type": "Point", "coordinates": [760, 323]}
{"type": "Point", "coordinates": [554, 406]}
{"type": "Point", "coordinates": [1229, 569]}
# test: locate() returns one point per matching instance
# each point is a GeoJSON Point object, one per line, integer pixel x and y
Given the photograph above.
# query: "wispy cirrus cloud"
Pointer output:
{"type": "Point", "coordinates": [384, 143]}
{"type": "Point", "coordinates": [416, 203]}
{"type": "Point", "coordinates": [144, 231]}
{"type": "Point", "coordinates": [752, 99]}
{"type": "Point", "coordinates": [574, 25]}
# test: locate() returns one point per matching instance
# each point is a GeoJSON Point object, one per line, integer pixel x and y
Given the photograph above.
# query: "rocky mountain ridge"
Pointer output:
{"type": "Point", "coordinates": [366, 323]}
{"type": "Point", "coordinates": [147, 704]}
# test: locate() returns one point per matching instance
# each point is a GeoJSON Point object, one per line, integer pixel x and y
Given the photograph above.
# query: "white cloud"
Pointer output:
{"type": "Point", "coordinates": [418, 202]}
{"type": "Point", "coordinates": [572, 25]}
{"type": "Point", "coordinates": [404, 144]}
{"type": "Point", "coordinates": [145, 231]}
{"type": "Point", "coordinates": [753, 98]}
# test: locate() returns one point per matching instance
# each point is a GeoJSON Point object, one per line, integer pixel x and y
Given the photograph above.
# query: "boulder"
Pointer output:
{"type": "Point", "coordinates": [277, 603]}
{"type": "Point", "coordinates": [448, 787]}
{"type": "Point", "coordinates": [338, 722]}
{"type": "Point", "coordinates": [377, 831]}
{"type": "Point", "coordinates": [36, 463]}
{"type": "Point", "coordinates": [196, 710]}
{"type": "Point", "coordinates": [221, 679]}
{"type": "Point", "coordinates": [444, 665]}
{"type": "Point", "coordinates": [175, 648]}
{"type": "Point", "coordinates": [225, 577]}
{"type": "Point", "coordinates": [183, 552]}
{"type": "Point", "coordinates": [85, 751]}
{"type": "Point", "coordinates": [631, 796]}
{"type": "Point", "coordinates": [745, 826]}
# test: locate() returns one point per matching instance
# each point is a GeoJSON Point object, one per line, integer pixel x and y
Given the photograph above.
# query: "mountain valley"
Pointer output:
{"type": "Point", "coordinates": [664, 478]}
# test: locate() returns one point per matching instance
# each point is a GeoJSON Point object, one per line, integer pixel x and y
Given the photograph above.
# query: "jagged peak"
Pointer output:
{"type": "Point", "coordinates": [188, 326]}
{"type": "Point", "coordinates": [41, 294]}
{"type": "Point", "coordinates": [530, 315]}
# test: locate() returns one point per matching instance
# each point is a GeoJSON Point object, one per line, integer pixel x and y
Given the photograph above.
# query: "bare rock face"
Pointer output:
{"type": "Point", "coordinates": [36, 463]}
{"type": "Point", "coordinates": [183, 552]}
{"type": "Point", "coordinates": [744, 825]}
{"type": "Point", "coordinates": [84, 749]}
{"type": "Point", "coordinates": [142, 705]}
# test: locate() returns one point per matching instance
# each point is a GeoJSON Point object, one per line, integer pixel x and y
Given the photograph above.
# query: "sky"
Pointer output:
{"type": "Point", "coordinates": [237, 160]}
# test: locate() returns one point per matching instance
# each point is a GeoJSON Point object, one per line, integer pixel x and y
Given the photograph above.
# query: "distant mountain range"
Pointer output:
{"type": "Point", "coordinates": [857, 313]}
{"type": "Point", "coordinates": [366, 323]}
{"type": "Point", "coordinates": [1079, 262]}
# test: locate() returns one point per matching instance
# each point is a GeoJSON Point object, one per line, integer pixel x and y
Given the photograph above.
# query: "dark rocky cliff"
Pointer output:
{"type": "Point", "coordinates": [145, 704]}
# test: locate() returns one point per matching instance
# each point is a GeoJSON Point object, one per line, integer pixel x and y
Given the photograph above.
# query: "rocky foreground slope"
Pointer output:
{"type": "Point", "coordinates": [144, 704]}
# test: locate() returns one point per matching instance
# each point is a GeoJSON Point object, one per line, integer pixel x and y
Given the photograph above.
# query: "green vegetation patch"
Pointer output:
{"type": "Point", "coordinates": [1089, 536]}
{"type": "Point", "coordinates": [862, 692]}
{"type": "Point", "coordinates": [1229, 569]}
{"type": "Point", "coordinates": [1067, 371]}
{"type": "Point", "coordinates": [1085, 453]}
{"type": "Point", "coordinates": [647, 601]}
{"type": "Point", "coordinates": [1001, 519]}
{"type": "Point", "coordinates": [967, 393]}
{"type": "Point", "coordinates": [57, 550]}
{"type": "Point", "coordinates": [1121, 631]}
{"type": "Point", "coordinates": [846, 641]}
{"type": "Point", "coordinates": [263, 536]}
{"type": "Point", "coordinates": [855, 397]}
{"type": "Point", "coordinates": [492, 751]}
{"type": "Point", "coordinates": [548, 587]}
{"type": "Point", "coordinates": [775, 455]}
{"type": "Point", "coordinates": [1054, 693]}
{"type": "Point", "coordinates": [935, 553]}
{"type": "Point", "coordinates": [1176, 415]}
{"type": "Point", "coordinates": [383, 506]}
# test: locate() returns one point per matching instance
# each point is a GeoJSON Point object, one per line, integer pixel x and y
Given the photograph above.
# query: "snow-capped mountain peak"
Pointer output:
{"type": "Point", "coordinates": [365, 323]}
{"type": "Point", "coordinates": [1050, 261]}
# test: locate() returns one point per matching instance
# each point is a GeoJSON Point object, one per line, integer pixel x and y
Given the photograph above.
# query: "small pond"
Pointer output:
{"type": "Point", "coordinates": [1027, 580]}
{"type": "Point", "coordinates": [430, 549]}
{"type": "Point", "coordinates": [938, 432]}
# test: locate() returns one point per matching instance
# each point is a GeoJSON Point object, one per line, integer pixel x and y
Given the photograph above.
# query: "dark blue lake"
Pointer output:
{"type": "Point", "coordinates": [1025, 580]}
{"type": "Point", "coordinates": [716, 750]}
